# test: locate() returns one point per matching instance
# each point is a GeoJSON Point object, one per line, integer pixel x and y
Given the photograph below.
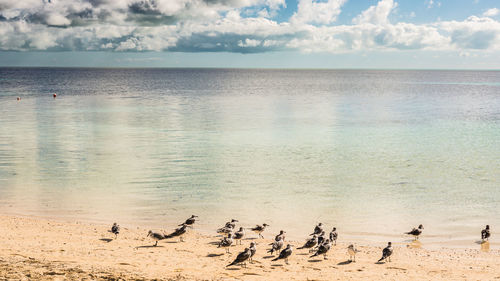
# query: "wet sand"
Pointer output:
{"type": "Point", "coordinates": [40, 249]}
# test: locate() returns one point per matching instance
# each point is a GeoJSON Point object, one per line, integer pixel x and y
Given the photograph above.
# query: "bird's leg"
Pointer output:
{"type": "Point", "coordinates": [156, 244]}
{"type": "Point", "coordinates": [286, 261]}
{"type": "Point", "coordinates": [324, 257]}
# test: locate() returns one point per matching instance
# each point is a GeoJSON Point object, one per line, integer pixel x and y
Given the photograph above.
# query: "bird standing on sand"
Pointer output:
{"type": "Point", "coordinates": [351, 251]}
{"type": "Point", "coordinates": [323, 249]}
{"type": "Point", "coordinates": [229, 227]}
{"type": "Point", "coordinates": [285, 254]}
{"type": "Point", "coordinates": [238, 235]}
{"type": "Point", "coordinates": [485, 233]}
{"type": "Point", "coordinates": [242, 258]}
{"type": "Point", "coordinates": [416, 231]}
{"type": "Point", "coordinates": [259, 229]}
{"type": "Point", "coordinates": [178, 232]}
{"type": "Point", "coordinates": [310, 243]}
{"type": "Point", "coordinates": [280, 236]}
{"type": "Point", "coordinates": [321, 238]}
{"type": "Point", "coordinates": [318, 229]}
{"type": "Point", "coordinates": [386, 253]}
{"type": "Point", "coordinates": [115, 229]}
{"type": "Point", "coordinates": [276, 246]}
{"type": "Point", "coordinates": [253, 250]}
{"type": "Point", "coordinates": [226, 242]}
{"type": "Point", "coordinates": [334, 235]}
{"type": "Point", "coordinates": [190, 221]}
{"type": "Point", "coordinates": [156, 236]}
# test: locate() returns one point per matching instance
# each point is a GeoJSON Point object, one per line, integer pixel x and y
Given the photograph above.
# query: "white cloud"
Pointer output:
{"type": "Point", "coordinates": [310, 11]}
{"type": "Point", "coordinates": [491, 12]}
{"type": "Point", "coordinates": [223, 25]}
{"type": "Point", "coordinates": [377, 14]}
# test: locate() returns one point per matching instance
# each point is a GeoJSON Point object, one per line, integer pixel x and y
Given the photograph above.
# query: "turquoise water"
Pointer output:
{"type": "Point", "coordinates": [372, 152]}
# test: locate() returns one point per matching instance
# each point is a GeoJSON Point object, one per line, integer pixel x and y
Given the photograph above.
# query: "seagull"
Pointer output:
{"type": "Point", "coordinates": [351, 250]}
{"type": "Point", "coordinates": [323, 249]}
{"type": "Point", "coordinates": [156, 236]}
{"type": "Point", "coordinates": [318, 229]}
{"type": "Point", "coordinates": [334, 235]}
{"type": "Point", "coordinates": [321, 238]}
{"type": "Point", "coordinates": [242, 257]}
{"type": "Point", "coordinates": [416, 231]}
{"type": "Point", "coordinates": [190, 221]}
{"type": "Point", "coordinates": [386, 252]}
{"type": "Point", "coordinates": [115, 229]}
{"type": "Point", "coordinates": [253, 249]}
{"type": "Point", "coordinates": [310, 243]}
{"type": "Point", "coordinates": [232, 223]}
{"type": "Point", "coordinates": [229, 227]}
{"type": "Point", "coordinates": [226, 242]}
{"type": "Point", "coordinates": [280, 236]}
{"type": "Point", "coordinates": [276, 246]}
{"type": "Point", "coordinates": [485, 233]}
{"type": "Point", "coordinates": [285, 254]}
{"type": "Point", "coordinates": [259, 229]}
{"type": "Point", "coordinates": [178, 232]}
{"type": "Point", "coordinates": [238, 235]}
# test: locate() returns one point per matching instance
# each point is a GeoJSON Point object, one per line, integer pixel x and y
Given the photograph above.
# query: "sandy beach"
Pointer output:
{"type": "Point", "coordinates": [40, 249]}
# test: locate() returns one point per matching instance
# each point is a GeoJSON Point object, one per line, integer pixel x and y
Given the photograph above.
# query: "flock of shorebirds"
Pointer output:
{"type": "Point", "coordinates": [318, 244]}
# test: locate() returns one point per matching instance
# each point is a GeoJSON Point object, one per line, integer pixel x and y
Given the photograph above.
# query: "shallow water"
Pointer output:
{"type": "Point", "coordinates": [371, 152]}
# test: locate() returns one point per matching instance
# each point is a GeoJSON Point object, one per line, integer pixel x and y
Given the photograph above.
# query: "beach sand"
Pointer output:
{"type": "Point", "coordinates": [40, 249]}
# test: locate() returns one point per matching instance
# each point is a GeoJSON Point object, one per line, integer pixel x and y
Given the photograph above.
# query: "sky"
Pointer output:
{"type": "Point", "coordinates": [404, 34]}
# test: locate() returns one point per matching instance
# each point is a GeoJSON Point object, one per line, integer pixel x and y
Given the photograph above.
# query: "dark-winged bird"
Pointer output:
{"type": "Point", "coordinates": [238, 235]}
{"type": "Point", "coordinates": [386, 252]}
{"type": "Point", "coordinates": [310, 243]}
{"type": "Point", "coordinates": [334, 235]}
{"type": "Point", "coordinates": [280, 236]}
{"type": "Point", "coordinates": [115, 229]}
{"type": "Point", "coordinates": [253, 250]}
{"type": "Point", "coordinates": [156, 236]}
{"type": "Point", "coordinates": [190, 221]}
{"type": "Point", "coordinates": [242, 257]}
{"type": "Point", "coordinates": [485, 233]}
{"type": "Point", "coordinates": [276, 246]}
{"type": "Point", "coordinates": [416, 231]}
{"type": "Point", "coordinates": [285, 254]}
{"type": "Point", "coordinates": [259, 229]}
{"type": "Point", "coordinates": [226, 242]}
{"type": "Point", "coordinates": [323, 249]}
{"type": "Point", "coordinates": [318, 229]}
{"type": "Point", "coordinates": [178, 232]}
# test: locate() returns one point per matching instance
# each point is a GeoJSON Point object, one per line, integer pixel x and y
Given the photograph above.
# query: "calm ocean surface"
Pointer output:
{"type": "Point", "coordinates": [372, 152]}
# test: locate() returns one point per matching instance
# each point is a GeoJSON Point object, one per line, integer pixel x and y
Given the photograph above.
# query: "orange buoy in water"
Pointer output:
{"type": "Point", "coordinates": [54, 95]}
{"type": "Point", "coordinates": [18, 98]}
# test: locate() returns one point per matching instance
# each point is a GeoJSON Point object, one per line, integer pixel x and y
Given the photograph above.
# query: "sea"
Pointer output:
{"type": "Point", "coordinates": [373, 153]}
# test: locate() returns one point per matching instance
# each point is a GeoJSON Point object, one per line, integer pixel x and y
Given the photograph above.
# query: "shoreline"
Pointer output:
{"type": "Point", "coordinates": [46, 249]}
{"type": "Point", "coordinates": [429, 240]}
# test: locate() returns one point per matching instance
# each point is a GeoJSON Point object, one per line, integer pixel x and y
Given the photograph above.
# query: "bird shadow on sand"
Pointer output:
{"type": "Point", "coordinates": [479, 242]}
{"type": "Point", "coordinates": [315, 260]}
{"type": "Point", "coordinates": [251, 238]}
{"type": "Point", "coordinates": [214, 243]}
{"type": "Point", "coordinates": [233, 268]}
{"type": "Point", "coordinates": [380, 262]}
{"type": "Point", "coordinates": [148, 246]}
{"type": "Point", "coordinates": [214, 255]}
{"type": "Point", "coordinates": [303, 254]}
{"type": "Point", "coordinates": [268, 257]}
{"type": "Point", "coordinates": [345, 262]}
{"type": "Point", "coordinates": [276, 264]}
{"type": "Point", "coordinates": [172, 242]}
{"type": "Point", "coordinates": [107, 240]}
